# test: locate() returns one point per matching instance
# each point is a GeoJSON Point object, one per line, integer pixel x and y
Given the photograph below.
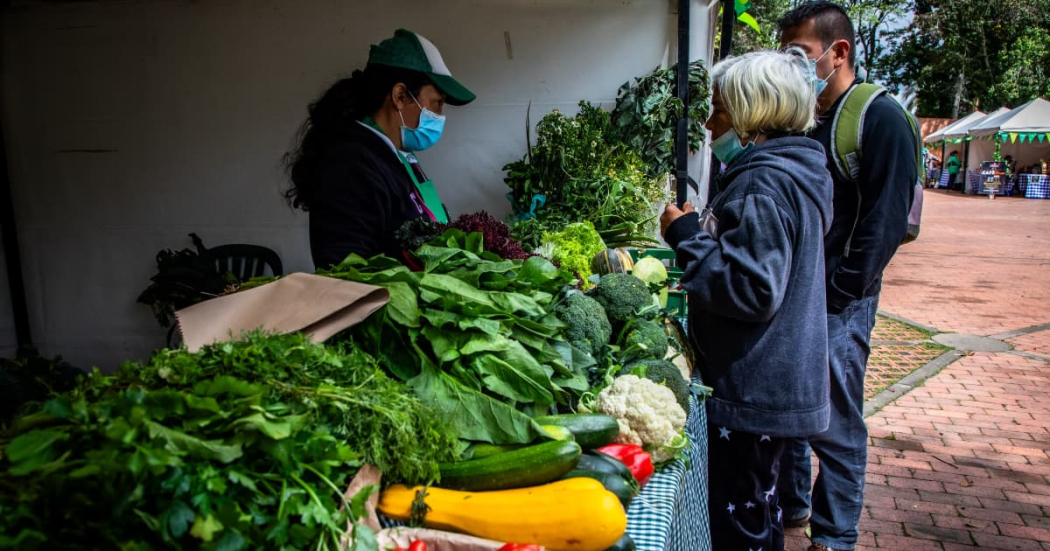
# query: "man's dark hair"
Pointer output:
{"type": "Point", "coordinates": [830, 21]}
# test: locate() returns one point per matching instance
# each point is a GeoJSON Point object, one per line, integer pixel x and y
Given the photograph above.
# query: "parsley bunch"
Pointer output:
{"type": "Point", "coordinates": [243, 445]}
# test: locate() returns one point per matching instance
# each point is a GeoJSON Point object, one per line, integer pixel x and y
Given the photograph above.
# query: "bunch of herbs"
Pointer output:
{"type": "Point", "coordinates": [647, 113]}
{"type": "Point", "coordinates": [246, 444]}
{"type": "Point", "coordinates": [586, 174]}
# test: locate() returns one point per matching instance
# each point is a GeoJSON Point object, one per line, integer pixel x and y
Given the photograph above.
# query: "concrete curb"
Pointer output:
{"type": "Point", "coordinates": [907, 321]}
{"type": "Point", "coordinates": [1020, 332]}
{"type": "Point", "coordinates": [910, 381]}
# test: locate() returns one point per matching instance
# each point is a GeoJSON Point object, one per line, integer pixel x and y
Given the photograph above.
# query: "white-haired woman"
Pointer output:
{"type": "Point", "coordinates": [754, 271]}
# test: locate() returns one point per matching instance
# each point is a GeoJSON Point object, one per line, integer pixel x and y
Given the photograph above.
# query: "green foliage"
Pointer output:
{"type": "Point", "coordinates": [29, 377]}
{"type": "Point", "coordinates": [647, 113]}
{"type": "Point", "coordinates": [183, 279]}
{"type": "Point", "coordinates": [586, 174]}
{"type": "Point", "coordinates": [964, 55]}
{"type": "Point", "coordinates": [246, 444]}
{"type": "Point", "coordinates": [472, 335]}
{"type": "Point", "coordinates": [623, 297]}
{"type": "Point", "coordinates": [588, 327]}
{"type": "Point", "coordinates": [574, 248]}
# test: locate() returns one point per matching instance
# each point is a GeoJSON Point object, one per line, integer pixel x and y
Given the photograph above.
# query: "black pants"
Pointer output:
{"type": "Point", "coordinates": [742, 498]}
{"type": "Point", "coordinates": [951, 181]}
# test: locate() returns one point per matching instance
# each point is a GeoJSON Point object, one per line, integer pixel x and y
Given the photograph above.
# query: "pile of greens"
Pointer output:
{"type": "Point", "coordinates": [646, 115]}
{"type": "Point", "coordinates": [472, 335]}
{"type": "Point", "coordinates": [246, 444]}
{"type": "Point", "coordinates": [586, 173]}
{"type": "Point", "coordinates": [183, 279]}
{"type": "Point", "coordinates": [30, 377]}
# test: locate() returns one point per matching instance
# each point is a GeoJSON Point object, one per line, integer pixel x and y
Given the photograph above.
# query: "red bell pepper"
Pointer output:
{"type": "Point", "coordinates": [636, 459]}
{"type": "Point", "coordinates": [520, 547]}
{"type": "Point", "coordinates": [418, 545]}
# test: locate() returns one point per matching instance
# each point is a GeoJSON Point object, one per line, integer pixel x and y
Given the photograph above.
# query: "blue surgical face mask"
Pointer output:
{"type": "Point", "coordinates": [728, 147]}
{"type": "Point", "coordinates": [818, 83]}
{"type": "Point", "coordinates": [426, 134]}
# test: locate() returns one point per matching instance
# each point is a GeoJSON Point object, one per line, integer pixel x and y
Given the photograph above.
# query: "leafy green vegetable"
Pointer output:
{"type": "Point", "coordinates": [646, 115]}
{"type": "Point", "coordinates": [589, 328]}
{"type": "Point", "coordinates": [585, 173]}
{"type": "Point", "coordinates": [574, 247]}
{"type": "Point", "coordinates": [484, 350]}
{"type": "Point", "coordinates": [246, 444]}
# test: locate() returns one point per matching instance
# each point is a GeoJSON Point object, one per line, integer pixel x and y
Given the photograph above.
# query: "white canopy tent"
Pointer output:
{"type": "Point", "coordinates": [1023, 134]}
{"type": "Point", "coordinates": [938, 136]}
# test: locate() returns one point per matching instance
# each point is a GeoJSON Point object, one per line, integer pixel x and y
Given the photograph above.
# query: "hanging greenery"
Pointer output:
{"type": "Point", "coordinates": [647, 113]}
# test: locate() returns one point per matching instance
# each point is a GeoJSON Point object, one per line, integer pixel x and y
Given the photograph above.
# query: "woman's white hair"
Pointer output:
{"type": "Point", "coordinates": [766, 91]}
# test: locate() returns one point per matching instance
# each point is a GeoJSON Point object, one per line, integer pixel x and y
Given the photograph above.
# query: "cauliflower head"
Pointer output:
{"type": "Point", "coordinates": [648, 415]}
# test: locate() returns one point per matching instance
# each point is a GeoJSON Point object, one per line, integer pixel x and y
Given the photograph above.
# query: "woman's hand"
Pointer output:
{"type": "Point", "coordinates": [672, 213]}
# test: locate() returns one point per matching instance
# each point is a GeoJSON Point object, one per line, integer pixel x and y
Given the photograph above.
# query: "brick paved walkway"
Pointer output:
{"type": "Point", "coordinates": [963, 460]}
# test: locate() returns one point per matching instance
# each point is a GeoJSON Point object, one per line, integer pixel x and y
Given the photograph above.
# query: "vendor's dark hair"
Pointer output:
{"type": "Point", "coordinates": [333, 115]}
{"type": "Point", "coordinates": [830, 21]}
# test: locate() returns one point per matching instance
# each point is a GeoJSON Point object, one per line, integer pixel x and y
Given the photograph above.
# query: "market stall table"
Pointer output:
{"type": "Point", "coordinates": [1035, 186]}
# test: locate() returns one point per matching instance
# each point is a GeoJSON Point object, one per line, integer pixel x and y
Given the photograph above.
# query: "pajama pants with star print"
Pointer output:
{"type": "Point", "coordinates": [742, 498]}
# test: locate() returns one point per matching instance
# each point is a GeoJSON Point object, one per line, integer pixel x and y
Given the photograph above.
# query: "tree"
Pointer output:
{"type": "Point", "coordinates": [871, 18]}
{"type": "Point", "coordinates": [961, 55]}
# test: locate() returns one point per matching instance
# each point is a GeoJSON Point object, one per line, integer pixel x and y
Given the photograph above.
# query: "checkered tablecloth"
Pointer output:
{"type": "Point", "coordinates": [1036, 186]}
{"type": "Point", "coordinates": [670, 513]}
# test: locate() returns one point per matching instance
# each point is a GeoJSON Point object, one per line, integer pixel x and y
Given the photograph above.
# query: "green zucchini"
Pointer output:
{"type": "Point", "coordinates": [528, 466]}
{"type": "Point", "coordinates": [592, 430]}
{"type": "Point", "coordinates": [482, 450]}
{"type": "Point", "coordinates": [558, 432]}
{"type": "Point", "coordinates": [623, 544]}
{"type": "Point", "coordinates": [612, 482]}
{"type": "Point", "coordinates": [598, 461]}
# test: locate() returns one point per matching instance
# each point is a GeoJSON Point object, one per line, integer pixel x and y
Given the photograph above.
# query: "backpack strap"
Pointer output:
{"type": "Point", "coordinates": [847, 129]}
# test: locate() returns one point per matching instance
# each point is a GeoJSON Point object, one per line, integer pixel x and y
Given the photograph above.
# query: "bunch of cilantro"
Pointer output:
{"type": "Point", "coordinates": [244, 445]}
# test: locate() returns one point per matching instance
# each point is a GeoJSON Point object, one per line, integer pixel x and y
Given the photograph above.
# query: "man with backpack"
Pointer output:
{"type": "Point", "coordinates": [875, 160]}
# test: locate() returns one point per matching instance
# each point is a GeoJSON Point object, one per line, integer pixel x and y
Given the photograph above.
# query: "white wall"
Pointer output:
{"type": "Point", "coordinates": [130, 124]}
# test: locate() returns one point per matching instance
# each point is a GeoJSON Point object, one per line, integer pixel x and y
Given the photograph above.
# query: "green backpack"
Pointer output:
{"type": "Point", "coordinates": [847, 129]}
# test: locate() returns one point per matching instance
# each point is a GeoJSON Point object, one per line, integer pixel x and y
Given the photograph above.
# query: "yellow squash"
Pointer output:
{"type": "Point", "coordinates": [577, 514]}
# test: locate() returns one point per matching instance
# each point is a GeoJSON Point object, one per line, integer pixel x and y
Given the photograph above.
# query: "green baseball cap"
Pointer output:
{"type": "Point", "coordinates": [408, 50]}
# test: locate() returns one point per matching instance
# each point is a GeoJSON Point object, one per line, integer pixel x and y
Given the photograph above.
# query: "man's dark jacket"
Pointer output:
{"type": "Point", "coordinates": [887, 184]}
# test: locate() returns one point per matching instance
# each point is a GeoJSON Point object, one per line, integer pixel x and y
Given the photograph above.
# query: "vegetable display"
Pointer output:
{"type": "Point", "coordinates": [528, 466]}
{"type": "Point", "coordinates": [473, 336]}
{"type": "Point", "coordinates": [246, 444]}
{"type": "Point", "coordinates": [577, 514]}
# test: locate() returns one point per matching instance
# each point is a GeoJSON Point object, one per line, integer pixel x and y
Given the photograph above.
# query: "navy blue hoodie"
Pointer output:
{"type": "Point", "coordinates": [756, 290]}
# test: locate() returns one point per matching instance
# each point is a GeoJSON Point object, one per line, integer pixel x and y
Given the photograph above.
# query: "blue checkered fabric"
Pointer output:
{"type": "Point", "coordinates": [1036, 186]}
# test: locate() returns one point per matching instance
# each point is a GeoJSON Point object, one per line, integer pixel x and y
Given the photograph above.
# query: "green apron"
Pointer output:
{"type": "Point", "coordinates": [427, 192]}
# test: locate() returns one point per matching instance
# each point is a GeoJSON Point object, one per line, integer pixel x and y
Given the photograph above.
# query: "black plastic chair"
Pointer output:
{"type": "Point", "coordinates": [241, 260]}
{"type": "Point", "coordinates": [245, 261]}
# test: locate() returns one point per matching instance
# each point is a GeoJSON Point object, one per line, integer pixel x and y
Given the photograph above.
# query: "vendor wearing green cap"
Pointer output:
{"type": "Point", "coordinates": [354, 169]}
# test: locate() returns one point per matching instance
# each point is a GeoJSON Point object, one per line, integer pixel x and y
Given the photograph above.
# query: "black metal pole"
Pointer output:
{"type": "Point", "coordinates": [12, 254]}
{"type": "Point", "coordinates": [724, 46]}
{"type": "Point", "coordinates": [682, 131]}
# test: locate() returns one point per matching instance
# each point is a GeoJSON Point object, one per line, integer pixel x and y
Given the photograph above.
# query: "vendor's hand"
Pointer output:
{"type": "Point", "coordinates": [672, 213]}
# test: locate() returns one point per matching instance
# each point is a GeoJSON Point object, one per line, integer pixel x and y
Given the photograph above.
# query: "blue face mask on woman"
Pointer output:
{"type": "Point", "coordinates": [431, 125]}
{"type": "Point", "coordinates": [727, 147]}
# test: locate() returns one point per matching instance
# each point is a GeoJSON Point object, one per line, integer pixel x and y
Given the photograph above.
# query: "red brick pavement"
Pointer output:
{"type": "Point", "coordinates": [963, 460]}
{"type": "Point", "coordinates": [979, 267]}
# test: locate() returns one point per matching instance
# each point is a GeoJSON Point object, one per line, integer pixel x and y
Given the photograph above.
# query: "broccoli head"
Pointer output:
{"type": "Point", "coordinates": [665, 373]}
{"type": "Point", "coordinates": [589, 328]}
{"type": "Point", "coordinates": [649, 333]}
{"type": "Point", "coordinates": [622, 296]}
